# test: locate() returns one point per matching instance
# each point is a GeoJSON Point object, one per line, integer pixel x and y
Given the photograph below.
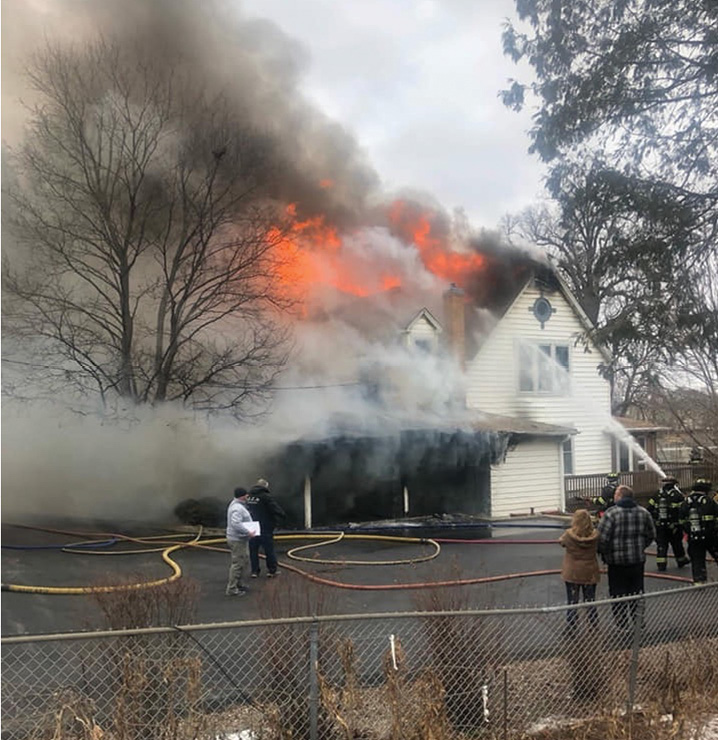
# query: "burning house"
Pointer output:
{"type": "Point", "coordinates": [478, 402]}
{"type": "Point", "coordinates": [433, 371]}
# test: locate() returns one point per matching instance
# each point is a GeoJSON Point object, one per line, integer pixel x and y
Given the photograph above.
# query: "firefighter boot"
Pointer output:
{"type": "Point", "coordinates": [682, 562]}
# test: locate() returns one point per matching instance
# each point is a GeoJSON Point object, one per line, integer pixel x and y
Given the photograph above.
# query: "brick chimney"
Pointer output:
{"type": "Point", "coordinates": [454, 323]}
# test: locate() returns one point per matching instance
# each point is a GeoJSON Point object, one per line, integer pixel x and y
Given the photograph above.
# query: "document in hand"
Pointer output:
{"type": "Point", "coordinates": [253, 527]}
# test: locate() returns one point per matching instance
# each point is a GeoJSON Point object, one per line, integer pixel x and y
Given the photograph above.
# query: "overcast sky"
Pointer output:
{"type": "Point", "coordinates": [417, 82]}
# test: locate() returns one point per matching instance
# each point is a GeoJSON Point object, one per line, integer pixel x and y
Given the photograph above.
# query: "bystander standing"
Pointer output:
{"type": "Point", "coordinates": [238, 535]}
{"type": "Point", "coordinates": [267, 512]}
{"type": "Point", "coordinates": [580, 571]}
{"type": "Point", "coordinates": [624, 533]}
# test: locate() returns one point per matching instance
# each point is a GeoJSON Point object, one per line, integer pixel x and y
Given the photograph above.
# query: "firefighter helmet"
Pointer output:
{"type": "Point", "coordinates": [702, 485]}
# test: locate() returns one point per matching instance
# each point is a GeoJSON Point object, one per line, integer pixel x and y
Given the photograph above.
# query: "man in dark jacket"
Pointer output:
{"type": "Point", "coordinates": [624, 532]}
{"type": "Point", "coordinates": [265, 510]}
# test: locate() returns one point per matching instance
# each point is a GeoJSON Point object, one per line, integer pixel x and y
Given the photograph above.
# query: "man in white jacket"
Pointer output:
{"type": "Point", "coordinates": [238, 536]}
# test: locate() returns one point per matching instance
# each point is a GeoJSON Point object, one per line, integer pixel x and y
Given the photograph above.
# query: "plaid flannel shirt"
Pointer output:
{"type": "Point", "coordinates": [624, 532]}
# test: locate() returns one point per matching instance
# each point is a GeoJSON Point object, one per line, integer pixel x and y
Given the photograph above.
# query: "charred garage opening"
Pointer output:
{"type": "Point", "coordinates": [360, 478]}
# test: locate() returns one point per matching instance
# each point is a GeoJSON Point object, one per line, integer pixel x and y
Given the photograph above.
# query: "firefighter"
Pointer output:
{"type": "Point", "coordinates": [665, 508]}
{"type": "Point", "coordinates": [698, 516]}
{"type": "Point", "coordinates": [605, 500]}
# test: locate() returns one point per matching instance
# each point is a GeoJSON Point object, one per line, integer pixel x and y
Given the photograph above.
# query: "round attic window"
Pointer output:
{"type": "Point", "coordinates": [542, 310]}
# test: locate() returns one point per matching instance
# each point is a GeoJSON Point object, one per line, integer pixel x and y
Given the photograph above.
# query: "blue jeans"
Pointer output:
{"type": "Point", "coordinates": [266, 542]}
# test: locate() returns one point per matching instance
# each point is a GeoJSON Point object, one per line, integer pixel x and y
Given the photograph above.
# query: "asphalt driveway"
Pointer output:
{"type": "Point", "coordinates": [329, 578]}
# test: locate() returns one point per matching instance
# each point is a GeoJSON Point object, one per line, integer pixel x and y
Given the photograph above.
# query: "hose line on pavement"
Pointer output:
{"type": "Point", "coordinates": [168, 545]}
{"type": "Point", "coordinates": [74, 590]}
{"type": "Point", "coordinates": [342, 535]}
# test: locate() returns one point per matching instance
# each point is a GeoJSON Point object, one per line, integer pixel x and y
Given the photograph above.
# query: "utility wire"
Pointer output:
{"type": "Point", "coordinates": [276, 387]}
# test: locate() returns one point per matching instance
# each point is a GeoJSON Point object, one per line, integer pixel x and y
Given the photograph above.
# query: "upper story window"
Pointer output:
{"type": "Point", "coordinates": [543, 368]}
{"type": "Point", "coordinates": [422, 333]}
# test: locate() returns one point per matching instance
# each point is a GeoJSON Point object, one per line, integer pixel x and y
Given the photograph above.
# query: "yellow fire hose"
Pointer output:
{"type": "Point", "coordinates": [72, 590]}
{"type": "Point", "coordinates": [167, 547]}
{"type": "Point", "coordinates": [208, 544]}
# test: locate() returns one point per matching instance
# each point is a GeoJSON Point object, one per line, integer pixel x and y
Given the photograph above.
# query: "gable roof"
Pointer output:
{"type": "Point", "coordinates": [426, 315]}
{"type": "Point", "coordinates": [639, 425]}
{"type": "Point", "coordinates": [547, 278]}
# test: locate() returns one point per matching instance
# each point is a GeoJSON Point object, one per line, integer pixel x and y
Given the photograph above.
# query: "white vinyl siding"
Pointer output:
{"type": "Point", "coordinates": [493, 379]}
{"type": "Point", "coordinates": [530, 477]}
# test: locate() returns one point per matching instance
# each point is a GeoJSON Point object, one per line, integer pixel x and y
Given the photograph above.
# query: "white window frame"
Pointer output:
{"type": "Point", "coordinates": [530, 353]}
{"type": "Point", "coordinates": [568, 450]}
{"type": "Point", "coordinates": [626, 458]}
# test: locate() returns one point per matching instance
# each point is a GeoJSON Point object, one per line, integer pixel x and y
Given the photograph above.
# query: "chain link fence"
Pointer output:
{"type": "Point", "coordinates": [482, 673]}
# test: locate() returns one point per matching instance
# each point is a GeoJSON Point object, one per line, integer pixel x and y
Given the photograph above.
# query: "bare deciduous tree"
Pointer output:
{"type": "Point", "coordinates": [686, 392]}
{"type": "Point", "coordinates": [144, 257]}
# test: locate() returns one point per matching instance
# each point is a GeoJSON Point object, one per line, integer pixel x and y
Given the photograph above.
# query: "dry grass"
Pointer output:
{"type": "Point", "coordinates": [406, 707]}
{"type": "Point", "coordinates": [675, 696]}
{"type": "Point", "coordinates": [409, 705]}
{"type": "Point", "coordinates": [155, 687]}
{"type": "Point", "coordinates": [164, 605]}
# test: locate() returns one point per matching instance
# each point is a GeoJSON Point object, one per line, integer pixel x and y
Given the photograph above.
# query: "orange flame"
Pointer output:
{"type": "Point", "coordinates": [311, 254]}
{"type": "Point", "coordinates": [434, 247]}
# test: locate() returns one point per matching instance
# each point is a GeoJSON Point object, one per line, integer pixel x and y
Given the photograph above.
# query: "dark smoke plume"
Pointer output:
{"type": "Point", "coordinates": [249, 61]}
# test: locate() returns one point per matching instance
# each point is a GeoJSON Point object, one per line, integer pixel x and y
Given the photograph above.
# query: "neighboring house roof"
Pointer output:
{"type": "Point", "coordinates": [639, 425]}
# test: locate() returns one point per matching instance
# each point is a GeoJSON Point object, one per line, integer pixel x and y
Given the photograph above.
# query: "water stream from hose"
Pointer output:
{"type": "Point", "coordinates": [558, 377]}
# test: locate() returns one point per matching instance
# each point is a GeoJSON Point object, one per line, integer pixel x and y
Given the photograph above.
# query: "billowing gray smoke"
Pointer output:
{"type": "Point", "coordinates": [251, 62]}
{"type": "Point", "coordinates": [144, 461]}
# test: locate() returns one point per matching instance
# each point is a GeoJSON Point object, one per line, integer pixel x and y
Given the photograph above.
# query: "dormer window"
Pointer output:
{"type": "Point", "coordinates": [422, 333]}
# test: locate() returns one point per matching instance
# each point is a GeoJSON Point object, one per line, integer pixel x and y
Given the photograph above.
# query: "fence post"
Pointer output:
{"type": "Point", "coordinates": [638, 624]}
{"type": "Point", "coordinates": [506, 704]}
{"type": "Point", "coordinates": [313, 680]}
